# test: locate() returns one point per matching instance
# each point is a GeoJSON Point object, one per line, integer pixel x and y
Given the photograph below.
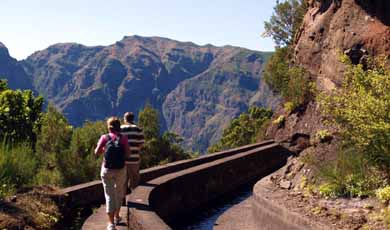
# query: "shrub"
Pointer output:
{"type": "Point", "coordinates": [280, 121]}
{"type": "Point", "coordinates": [349, 175]}
{"type": "Point", "coordinates": [289, 107]}
{"type": "Point", "coordinates": [323, 135]}
{"type": "Point", "coordinates": [361, 109]}
{"type": "Point", "coordinates": [383, 194]}
{"type": "Point", "coordinates": [248, 128]}
{"type": "Point", "coordinates": [330, 190]}
{"type": "Point", "coordinates": [18, 166]}
{"type": "Point", "coordinates": [20, 112]}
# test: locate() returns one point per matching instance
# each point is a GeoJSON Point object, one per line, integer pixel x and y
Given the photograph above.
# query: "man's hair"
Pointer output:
{"type": "Point", "coordinates": [129, 117]}
{"type": "Point", "coordinates": [114, 124]}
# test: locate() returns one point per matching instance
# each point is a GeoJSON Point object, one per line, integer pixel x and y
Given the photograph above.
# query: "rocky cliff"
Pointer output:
{"type": "Point", "coordinates": [358, 28]}
{"type": "Point", "coordinates": [13, 71]}
{"type": "Point", "coordinates": [197, 89]}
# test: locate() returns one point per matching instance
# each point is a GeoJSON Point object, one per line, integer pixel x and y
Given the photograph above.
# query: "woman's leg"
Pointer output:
{"type": "Point", "coordinates": [120, 190]}
{"type": "Point", "coordinates": [109, 193]}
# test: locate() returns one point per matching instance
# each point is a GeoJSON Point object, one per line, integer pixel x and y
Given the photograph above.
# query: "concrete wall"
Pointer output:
{"type": "Point", "coordinates": [176, 194]}
{"type": "Point", "coordinates": [272, 216]}
{"type": "Point", "coordinates": [75, 196]}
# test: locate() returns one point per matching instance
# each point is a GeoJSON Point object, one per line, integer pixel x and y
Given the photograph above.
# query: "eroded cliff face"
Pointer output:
{"type": "Point", "coordinates": [358, 28]}
{"type": "Point", "coordinates": [12, 71]}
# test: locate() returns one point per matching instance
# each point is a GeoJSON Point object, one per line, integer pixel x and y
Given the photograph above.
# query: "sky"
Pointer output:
{"type": "Point", "coordinates": [31, 25]}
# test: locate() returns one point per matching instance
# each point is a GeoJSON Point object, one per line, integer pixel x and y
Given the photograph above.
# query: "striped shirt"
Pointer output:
{"type": "Point", "coordinates": [135, 137]}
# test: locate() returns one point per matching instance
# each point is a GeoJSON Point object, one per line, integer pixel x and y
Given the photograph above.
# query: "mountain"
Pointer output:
{"type": "Point", "coordinates": [197, 89]}
{"type": "Point", "coordinates": [12, 71]}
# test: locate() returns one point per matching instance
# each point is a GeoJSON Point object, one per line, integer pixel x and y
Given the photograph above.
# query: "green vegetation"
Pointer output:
{"type": "Point", "coordinates": [292, 82]}
{"type": "Point", "coordinates": [246, 129]}
{"type": "Point", "coordinates": [18, 165]}
{"type": "Point", "coordinates": [19, 114]}
{"type": "Point", "coordinates": [279, 121]}
{"type": "Point", "coordinates": [361, 110]}
{"type": "Point", "coordinates": [158, 149]}
{"type": "Point", "coordinates": [323, 135]}
{"type": "Point", "coordinates": [42, 148]}
{"type": "Point", "coordinates": [285, 21]}
{"type": "Point", "coordinates": [383, 194]}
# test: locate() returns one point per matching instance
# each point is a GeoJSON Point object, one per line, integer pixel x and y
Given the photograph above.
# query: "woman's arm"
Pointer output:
{"type": "Point", "coordinates": [100, 146]}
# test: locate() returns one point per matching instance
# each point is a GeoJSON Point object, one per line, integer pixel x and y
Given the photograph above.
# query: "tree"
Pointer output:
{"type": "Point", "coordinates": [246, 129]}
{"type": "Point", "coordinates": [79, 164]}
{"type": "Point", "coordinates": [148, 120]}
{"type": "Point", "coordinates": [20, 113]}
{"type": "Point", "coordinates": [158, 149]}
{"type": "Point", "coordinates": [52, 143]}
{"type": "Point", "coordinates": [285, 21]}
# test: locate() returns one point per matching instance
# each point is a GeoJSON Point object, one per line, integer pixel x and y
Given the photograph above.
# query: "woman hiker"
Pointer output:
{"type": "Point", "coordinates": [113, 172]}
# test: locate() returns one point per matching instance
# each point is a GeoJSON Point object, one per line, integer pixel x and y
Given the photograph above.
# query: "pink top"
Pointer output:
{"type": "Point", "coordinates": [103, 140]}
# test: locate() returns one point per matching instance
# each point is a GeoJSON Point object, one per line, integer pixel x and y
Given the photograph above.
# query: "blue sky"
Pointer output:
{"type": "Point", "coordinates": [31, 25]}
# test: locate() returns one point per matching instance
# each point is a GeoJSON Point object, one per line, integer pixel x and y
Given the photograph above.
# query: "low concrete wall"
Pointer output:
{"type": "Point", "coordinates": [177, 194]}
{"type": "Point", "coordinates": [272, 216]}
{"type": "Point", "coordinates": [76, 195]}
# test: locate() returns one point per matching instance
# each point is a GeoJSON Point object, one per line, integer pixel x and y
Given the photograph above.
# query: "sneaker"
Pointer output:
{"type": "Point", "coordinates": [111, 227]}
{"type": "Point", "coordinates": [117, 220]}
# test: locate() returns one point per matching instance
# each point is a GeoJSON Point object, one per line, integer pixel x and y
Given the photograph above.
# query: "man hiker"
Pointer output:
{"type": "Point", "coordinates": [136, 139]}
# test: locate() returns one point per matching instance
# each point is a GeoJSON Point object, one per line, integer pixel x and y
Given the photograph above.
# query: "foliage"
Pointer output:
{"type": "Point", "coordinates": [329, 190]}
{"type": "Point", "coordinates": [285, 21]}
{"type": "Point", "coordinates": [323, 135]}
{"type": "Point", "coordinates": [383, 194]}
{"type": "Point", "coordinates": [243, 130]}
{"type": "Point", "coordinates": [18, 166]}
{"type": "Point", "coordinates": [19, 114]}
{"type": "Point", "coordinates": [300, 88]}
{"type": "Point", "coordinates": [79, 163]}
{"type": "Point", "coordinates": [289, 107]}
{"type": "Point", "coordinates": [52, 143]}
{"type": "Point", "coordinates": [279, 121]}
{"type": "Point", "coordinates": [275, 72]}
{"type": "Point", "coordinates": [293, 83]}
{"type": "Point", "coordinates": [148, 119]}
{"type": "Point", "coordinates": [158, 149]}
{"type": "Point", "coordinates": [361, 109]}
{"type": "Point", "coordinates": [350, 175]}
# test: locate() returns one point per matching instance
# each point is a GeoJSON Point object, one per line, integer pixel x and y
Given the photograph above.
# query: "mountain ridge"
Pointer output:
{"type": "Point", "coordinates": [94, 82]}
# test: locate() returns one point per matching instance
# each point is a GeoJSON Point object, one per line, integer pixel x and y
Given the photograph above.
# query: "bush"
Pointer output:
{"type": "Point", "coordinates": [18, 167]}
{"type": "Point", "coordinates": [20, 112]}
{"type": "Point", "coordinates": [289, 107]}
{"type": "Point", "coordinates": [279, 121]}
{"type": "Point", "coordinates": [246, 129]}
{"type": "Point", "coordinates": [361, 108]}
{"type": "Point", "coordinates": [349, 175]}
{"type": "Point", "coordinates": [323, 135]}
{"type": "Point", "coordinates": [330, 190]}
{"type": "Point", "coordinates": [158, 149]}
{"type": "Point", "coordinates": [383, 194]}
{"type": "Point", "coordinates": [361, 111]}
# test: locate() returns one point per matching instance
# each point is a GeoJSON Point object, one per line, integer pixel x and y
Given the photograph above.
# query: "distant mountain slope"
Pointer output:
{"type": "Point", "coordinates": [12, 71]}
{"type": "Point", "coordinates": [198, 89]}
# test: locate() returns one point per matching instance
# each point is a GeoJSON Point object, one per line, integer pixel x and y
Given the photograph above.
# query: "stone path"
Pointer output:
{"type": "Point", "coordinates": [238, 217]}
{"type": "Point", "coordinates": [98, 221]}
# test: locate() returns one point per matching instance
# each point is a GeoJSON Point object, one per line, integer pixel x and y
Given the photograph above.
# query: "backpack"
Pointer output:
{"type": "Point", "coordinates": [114, 157]}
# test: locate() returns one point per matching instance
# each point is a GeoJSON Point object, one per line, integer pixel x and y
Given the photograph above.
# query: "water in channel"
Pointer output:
{"type": "Point", "coordinates": [205, 218]}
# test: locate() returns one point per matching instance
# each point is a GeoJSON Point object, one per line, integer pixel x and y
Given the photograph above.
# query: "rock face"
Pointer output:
{"type": "Point", "coordinates": [12, 71]}
{"type": "Point", "coordinates": [198, 89]}
{"type": "Point", "coordinates": [358, 28]}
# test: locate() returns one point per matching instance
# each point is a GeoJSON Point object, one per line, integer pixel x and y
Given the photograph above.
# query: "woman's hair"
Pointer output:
{"type": "Point", "coordinates": [114, 124]}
